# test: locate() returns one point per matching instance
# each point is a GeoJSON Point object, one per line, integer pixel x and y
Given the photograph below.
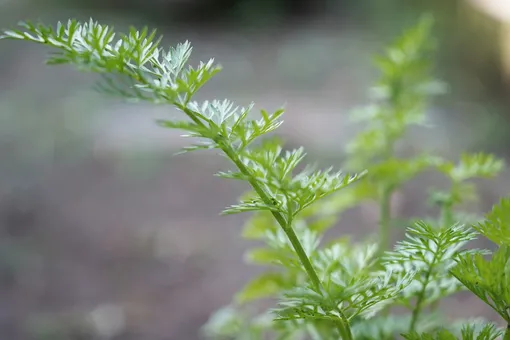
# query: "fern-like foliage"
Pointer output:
{"type": "Point", "coordinates": [135, 67]}
{"type": "Point", "coordinates": [478, 165]}
{"type": "Point", "coordinates": [432, 253]}
{"type": "Point", "coordinates": [496, 226]}
{"type": "Point", "coordinates": [350, 283]}
{"type": "Point", "coordinates": [389, 327]}
{"type": "Point", "coordinates": [470, 166]}
{"type": "Point", "coordinates": [134, 60]}
{"type": "Point", "coordinates": [400, 95]}
{"type": "Point", "coordinates": [399, 101]}
{"type": "Point", "coordinates": [488, 279]}
{"type": "Point", "coordinates": [324, 291]}
{"type": "Point", "coordinates": [347, 270]}
{"type": "Point", "coordinates": [277, 252]}
{"type": "Point", "coordinates": [353, 288]}
{"type": "Point", "coordinates": [290, 194]}
{"type": "Point", "coordinates": [468, 332]}
{"type": "Point", "coordinates": [231, 323]}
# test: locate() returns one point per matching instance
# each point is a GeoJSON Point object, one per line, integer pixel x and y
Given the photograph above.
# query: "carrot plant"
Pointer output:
{"type": "Point", "coordinates": [339, 289]}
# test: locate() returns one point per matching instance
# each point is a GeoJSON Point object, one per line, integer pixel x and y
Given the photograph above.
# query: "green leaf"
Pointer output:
{"type": "Point", "coordinates": [234, 323]}
{"type": "Point", "coordinates": [265, 285]}
{"type": "Point", "coordinates": [496, 226]}
{"type": "Point", "coordinates": [254, 204]}
{"type": "Point", "coordinates": [399, 98]}
{"type": "Point", "coordinates": [134, 60]}
{"type": "Point", "coordinates": [431, 253]}
{"type": "Point", "coordinates": [273, 170]}
{"type": "Point", "coordinates": [388, 327]}
{"type": "Point", "coordinates": [347, 198]}
{"type": "Point", "coordinates": [394, 171]}
{"type": "Point", "coordinates": [472, 331]}
{"type": "Point", "coordinates": [362, 296]}
{"type": "Point", "coordinates": [442, 334]}
{"type": "Point", "coordinates": [265, 256]}
{"type": "Point", "coordinates": [473, 166]}
{"type": "Point", "coordinates": [489, 279]}
{"type": "Point", "coordinates": [258, 226]}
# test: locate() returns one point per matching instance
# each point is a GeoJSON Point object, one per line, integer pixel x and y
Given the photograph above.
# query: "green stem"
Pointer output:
{"type": "Point", "coordinates": [303, 257]}
{"type": "Point", "coordinates": [416, 313]}
{"type": "Point", "coordinates": [385, 220]}
{"type": "Point", "coordinates": [421, 296]}
{"type": "Point", "coordinates": [507, 333]}
{"type": "Point", "coordinates": [446, 221]}
{"type": "Point", "coordinates": [342, 324]}
{"type": "Point", "coordinates": [344, 329]}
{"type": "Point", "coordinates": [296, 244]}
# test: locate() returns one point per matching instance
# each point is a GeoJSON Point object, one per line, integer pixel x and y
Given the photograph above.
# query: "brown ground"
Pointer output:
{"type": "Point", "coordinates": [85, 234]}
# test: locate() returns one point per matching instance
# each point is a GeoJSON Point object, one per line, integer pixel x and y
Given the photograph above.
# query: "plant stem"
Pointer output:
{"type": "Point", "coordinates": [421, 296]}
{"type": "Point", "coordinates": [344, 329]}
{"type": "Point", "coordinates": [507, 333]}
{"type": "Point", "coordinates": [303, 257]}
{"type": "Point", "coordinates": [385, 220]}
{"type": "Point", "coordinates": [416, 313]}
{"type": "Point", "coordinates": [291, 235]}
{"type": "Point", "coordinates": [446, 221]}
{"type": "Point", "coordinates": [342, 324]}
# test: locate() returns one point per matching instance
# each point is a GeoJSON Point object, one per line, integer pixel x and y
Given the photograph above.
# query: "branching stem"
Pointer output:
{"type": "Point", "coordinates": [342, 324]}
{"type": "Point", "coordinates": [446, 221]}
{"type": "Point", "coordinates": [422, 294]}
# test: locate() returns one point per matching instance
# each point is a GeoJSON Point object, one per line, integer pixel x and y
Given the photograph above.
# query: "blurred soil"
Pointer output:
{"type": "Point", "coordinates": [139, 243]}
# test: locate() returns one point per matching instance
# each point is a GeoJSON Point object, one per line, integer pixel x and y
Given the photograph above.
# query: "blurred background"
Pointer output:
{"type": "Point", "coordinates": [105, 235]}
